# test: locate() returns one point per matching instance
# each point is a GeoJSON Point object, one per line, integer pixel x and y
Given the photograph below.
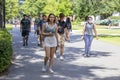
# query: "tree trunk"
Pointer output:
{"type": "Point", "coordinates": [2, 13]}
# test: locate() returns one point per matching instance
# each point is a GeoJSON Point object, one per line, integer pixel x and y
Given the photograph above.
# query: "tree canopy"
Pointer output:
{"type": "Point", "coordinates": [80, 8]}
{"type": "Point", "coordinates": [12, 9]}
{"type": "Point", "coordinates": [33, 7]}
{"type": "Point", "coordinates": [84, 8]}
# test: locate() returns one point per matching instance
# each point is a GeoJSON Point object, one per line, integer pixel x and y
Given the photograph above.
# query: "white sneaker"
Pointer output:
{"type": "Point", "coordinates": [55, 56]}
{"type": "Point", "coordinates": [51, 71]}
{"type": "Point", "coordinates": [61, 58]}
{"type": "Point", "coordinates": [43, 69]}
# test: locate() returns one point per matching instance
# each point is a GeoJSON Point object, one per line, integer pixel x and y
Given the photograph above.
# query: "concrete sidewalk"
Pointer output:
{"type": "Point", "coordinates": [104, 64]}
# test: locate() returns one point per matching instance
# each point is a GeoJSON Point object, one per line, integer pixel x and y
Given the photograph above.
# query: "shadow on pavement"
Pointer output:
{"type": "Point", "coordinates": [28, 63]}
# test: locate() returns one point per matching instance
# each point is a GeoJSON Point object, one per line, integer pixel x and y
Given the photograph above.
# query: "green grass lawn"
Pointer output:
{"type": "Point", "coordinates": [100, 29]}
{"type": "Point", "coordinates": [109, 32]}
{"type": "Point", "coordinates": [9, 26]}
{"type": "Point", "coordinates": [111, 39]}
{"type": "Point", "coordinates": [104, 31]}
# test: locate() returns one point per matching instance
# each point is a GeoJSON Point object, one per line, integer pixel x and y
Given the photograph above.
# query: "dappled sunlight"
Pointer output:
{"type": "Point", "coordinates": [18, 77]}
{"type": "Point", "coordinates": [28, 62]}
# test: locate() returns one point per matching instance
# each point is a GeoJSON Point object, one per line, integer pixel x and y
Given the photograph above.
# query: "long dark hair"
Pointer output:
{"type": "Point", "coordinates": [68, 20]}
{"type": "Point", "coordinates": [49, 17]}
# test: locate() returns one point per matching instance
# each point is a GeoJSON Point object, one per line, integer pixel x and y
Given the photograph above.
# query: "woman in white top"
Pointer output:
{"type": "Point", "coordinates": [50, 41]}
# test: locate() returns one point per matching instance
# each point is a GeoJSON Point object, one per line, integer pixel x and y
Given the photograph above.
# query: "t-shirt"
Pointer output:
{"type": "Point", "coordinates": [62, 25]}
{"type": "Point", "coordinates": [41, 22]}
{"type": "Point", "coordinates": [37, 20]}
{"type": "Point", "coordinates": [68, 24]}
{"type": "Point", "coordinates": [25, 24]}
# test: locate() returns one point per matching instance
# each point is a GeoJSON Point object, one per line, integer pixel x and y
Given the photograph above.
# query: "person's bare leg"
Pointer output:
{"type": "Point", "coordinates": [46, 58]}
{"type": "Point", "coordinates": [47, 55]}
{"type": "Point", "coordinates": [52, 52]}
{"type": "Point", "coordinates": [26, 40]}
{"type": "Point", "coordinates": [61, 49]}
{"type": "Point", "coordinates": [68, 35]}
{"type": "Point", "coordinates": [40, 38]}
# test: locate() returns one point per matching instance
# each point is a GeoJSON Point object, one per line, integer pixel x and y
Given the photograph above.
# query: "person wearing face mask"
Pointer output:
{"type": "Point", "coordinates": [88, 30]}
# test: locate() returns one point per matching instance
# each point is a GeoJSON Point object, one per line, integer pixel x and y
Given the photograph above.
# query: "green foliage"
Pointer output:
{"type": "Point", "coordinates": [12, 9]}
{"type": "Point", "coordinates": [34, 7]}
{"type": "Point", "coordinates": [115, 21]}
{"type": "Point", "coordinates": [111, 39]}
{"type": "Point", "coordinates": [5, 49]}
{"type": "Point", "coordinates": [84, 8]}
{"type": "Point", "coordinates": [102, 22]}
{"type": "Point", "coordinates": [51, 7]}
{"type": "Point", "coordinates": [115, 17]}
{"type": "Point", "coordinates": [8, 26]}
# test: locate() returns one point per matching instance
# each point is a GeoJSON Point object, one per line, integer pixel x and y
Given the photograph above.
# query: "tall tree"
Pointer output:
{"type": "Point", "coordinates": [84, 8]}
{"type": "Point", "coordinates": [12, 7]}
{"type": "Point", "coordinates": [33, 7]}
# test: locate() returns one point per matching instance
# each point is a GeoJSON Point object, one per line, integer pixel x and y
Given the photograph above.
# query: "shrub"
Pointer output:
{"type": "Point", "coordinates": [115, 22]}
{"type": "Point", "coordinates": [102, 22]}
{"type": "Point", "coordinates": [5, 49]}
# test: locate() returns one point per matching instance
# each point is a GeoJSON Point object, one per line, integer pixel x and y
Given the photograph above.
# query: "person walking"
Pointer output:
{"type": "Point", "coordinates": [88, 29]}
{"type": "Point", "coordinates": [69, 28]}
{"type": "Point", "coordinates": [38, 23]}
{"type": "Point", "coordinates": [49, 31]}
{"type": "Point", "coordinates": [41, 25]}
{"type": "Point", "coordinates": [25, 28]}
{"type": "Point", "coordinates": [61, 34]}
{"type": "Point", "coordinates": [109, 23]}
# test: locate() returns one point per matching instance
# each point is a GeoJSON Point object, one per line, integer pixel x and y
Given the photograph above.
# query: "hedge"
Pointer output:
{"type": "Point", "coordinates": [105, 21]}
{"type": "Point", "coordinates": [5, 49]}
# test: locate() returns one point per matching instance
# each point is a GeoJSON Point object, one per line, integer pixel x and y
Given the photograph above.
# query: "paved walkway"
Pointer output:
{"type": "Point", "coordinates": [104, 64]}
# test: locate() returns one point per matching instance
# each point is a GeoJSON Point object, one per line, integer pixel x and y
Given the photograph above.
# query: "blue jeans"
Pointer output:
{"type": "Point", "coordinates": [88, 40]}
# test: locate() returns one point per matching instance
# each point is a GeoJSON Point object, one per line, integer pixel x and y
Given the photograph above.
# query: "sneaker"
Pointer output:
{"type": "Point", "coordinates": [23, 44]}
{"type": "Point", "coordinates": [43, 69]}
{"type": "Point", "coordinates": [38, 44]}
{"type": "Point", "coordinates": [55, 56]}
{"type": "Point", "coordinates": [51, 71]}
{"type": "Point", "coordinates": [86, 55]}
{"type": "Point", "coordinates": [61, 58]}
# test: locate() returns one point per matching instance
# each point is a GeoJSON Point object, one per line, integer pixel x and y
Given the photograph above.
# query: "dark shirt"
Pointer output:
{"type": "Point", "coordinates": [41, 23]}
{"type": "Point", "coordinates": [25, 24]}
{"type": "Point", "coordinates": [68, 24]}
{"type": "Point", "coordinates": [62, 25]}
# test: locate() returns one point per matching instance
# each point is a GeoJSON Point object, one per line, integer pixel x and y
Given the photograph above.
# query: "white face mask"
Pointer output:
{"type": "Point", "coordinates": [90, 20]}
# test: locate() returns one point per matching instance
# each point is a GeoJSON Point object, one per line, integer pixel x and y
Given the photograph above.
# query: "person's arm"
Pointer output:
{"type": "Point", "coordinates": [56, 33]}
{"type": "Point", "coordinates": [65, 28]}
{"type": "Point", "coordinates": [83, 32]}
{"type": "Point", "coordinates": [95, 31]}
{"type": "Point", "coordinates": [30, 25]}
{"type": "Point", "coordinates": [20, 26]}
{"type": "Point", "coordinates": [71, 26]}
{"type": "Point", "coordinates": [43, 31]}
